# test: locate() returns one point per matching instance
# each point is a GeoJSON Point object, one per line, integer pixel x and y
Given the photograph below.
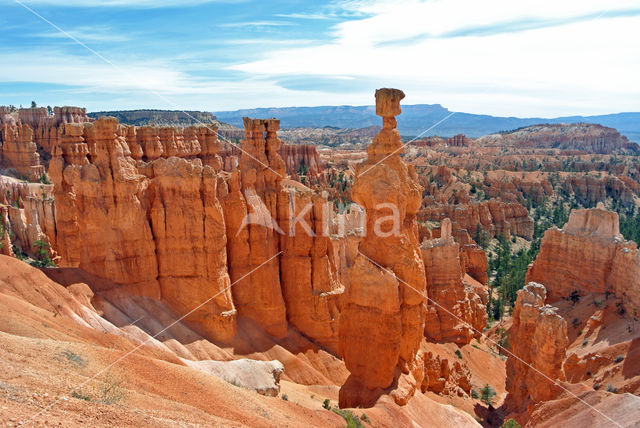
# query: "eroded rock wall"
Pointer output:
{"type": "Point", "coordinates": [18, 151]}
{"type": "Point", "coordinates": [455, 313]}
{"type": "Point", "coordinates": [156, 227]}
{"type": "Point", "coordinates": [472, 257]}
{"type": "Point", "coordinates": [302, 160]}
{"type": "Point", "coordinates": [494, 216]}
{"type": "Point", "coordinates": [588, 256]}
{"type": "Point", "coordinates": [590, 189]}
{"type": "Point", "coordinates": [310, 264]}
{"type": "Point", "coordinates": [445, 378]}
{"type": "Point", "coordinates": [152, 208]}
{"type": "Point", "coordinates": [27, 215]}
{"type": "Point", "coordinates": [586, 137]}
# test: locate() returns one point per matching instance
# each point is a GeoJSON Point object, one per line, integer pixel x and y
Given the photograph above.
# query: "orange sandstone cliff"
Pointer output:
{"type": "Point", "coordinates": [576, 354]}
{"type": "Point", "coordinates": [144, 217]}
{"type": "Point", "coordinates": [18, 151]}
{"type": "Point", "coordinates": [152, 208]}
{"type": "Point", "coordinates": [589, 256]}
{"type": "Point", "coordinates": [494, 216]}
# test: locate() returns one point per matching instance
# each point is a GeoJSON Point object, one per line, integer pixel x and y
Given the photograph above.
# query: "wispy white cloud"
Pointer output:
{"type": "Point", "coordinates": [267, 42]}
{"type": "Point", "coordinates": [125, 4]}
{"type": "Point", "coordinates": [306, 15]}
{"type": "Point", "coordinates": [508, 72]}
{"type": "Point", "coordinates": [496, 56]}
{"type": "Point", "coordinates": [87, 81]}
{"type": "Point", "coordinates": [136, 82]}
{"type": "Point", "coordinates": [389, 20]}
{"type": "Point", "coordinates": [59, 68]}
{"type": "Point", "coordinates": [257, 24]}
{"type": "Point", "coordinates": [101, 33]}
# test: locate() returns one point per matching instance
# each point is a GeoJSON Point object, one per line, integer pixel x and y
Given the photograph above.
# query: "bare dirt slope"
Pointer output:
{"type": "Point", "coordinates": [56, 352]}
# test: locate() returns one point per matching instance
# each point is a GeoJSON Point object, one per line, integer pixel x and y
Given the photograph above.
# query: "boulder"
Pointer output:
{"type": "Point", "coordinates": [261, 376]}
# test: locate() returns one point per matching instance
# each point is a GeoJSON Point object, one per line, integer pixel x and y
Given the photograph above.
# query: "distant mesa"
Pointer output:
{"type": "Point", "coordinates": [417, 118]}
{"type": "Point", "coordinates": [355, 126]}
{"type": "Point", "coordinates": [158, 117]}
{"type": "Point", "coordinates": [588, 137]}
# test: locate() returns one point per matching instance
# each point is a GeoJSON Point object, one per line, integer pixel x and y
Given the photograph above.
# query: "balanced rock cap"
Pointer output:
{"type": "Point", "coordinates": [388, 102]}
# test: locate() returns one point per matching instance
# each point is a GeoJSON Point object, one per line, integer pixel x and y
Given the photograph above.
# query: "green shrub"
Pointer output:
{"type": "Point", "coordinates": [44, 179]}
{"type": "Point", "coordinates": [351, 419]}
{"type": "Point", "coordinates": [111, 389]}
{"type": "Point", "coordinates": [72, 357]}
{"type": "Point", "coordinates": [510, 423]}
{"type": "Point", "coordinates": [574, 296]}
{"type": "Point", "coordinates": [487, 394]}
{"type": "Point", "coordinates": [80, 396]}
{"type": "Point", "coordinates": [42, 255]}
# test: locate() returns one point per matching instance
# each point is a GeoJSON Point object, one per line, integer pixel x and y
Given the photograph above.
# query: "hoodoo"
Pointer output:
{"type": "Point", "coordinates": [250, 210]}
{"type": "Point", "coordinates": [382, 321]}
{"type": "Point", "coordinates": [537, 350]}
{"type": "Point", "coordinates": [455, 312]}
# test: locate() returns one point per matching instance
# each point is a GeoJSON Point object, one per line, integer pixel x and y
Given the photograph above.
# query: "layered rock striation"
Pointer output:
{"type": "Point", "coordinates": [251, 208]}
{"type": "Point", "coordinates": [311, 264]}
{"type": "Point", "coordinates": [157, 227]}
{"type": "Point", "coordinates": [459, 140]}
{"type": "Point", "coordinates": [27, 137]}
{"type": "Point", "coordinates": [152, 208]}
{"type": "Point", "coordinates": [514, 187]}
{"type": "Point", "coordinates": [18, 151]}
{"type": "Point", "coordinates": [586, 137]}
{"type": "Point", "coordinates": [590, 189]}
{"type": "Point", "coordinates": [303, 162]}
{"type": "Point", "coordinates": [472, 257]}
{"type": "Point", "coordinates": [27, 218]}
{"type": "Point", "coordinates": [494, 217]}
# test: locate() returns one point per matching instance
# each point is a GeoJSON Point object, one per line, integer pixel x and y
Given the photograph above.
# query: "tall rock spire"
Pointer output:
{"type": "Point", "coordinates": [382, 321]}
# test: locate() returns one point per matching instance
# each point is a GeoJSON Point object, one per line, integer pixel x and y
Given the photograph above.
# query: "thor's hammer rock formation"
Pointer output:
{"type": "Point", "coordinates": [382, 322]}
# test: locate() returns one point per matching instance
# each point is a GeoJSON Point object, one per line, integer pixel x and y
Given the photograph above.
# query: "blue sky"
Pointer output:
{"type": "Point", "coordinates": [502, 57]}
